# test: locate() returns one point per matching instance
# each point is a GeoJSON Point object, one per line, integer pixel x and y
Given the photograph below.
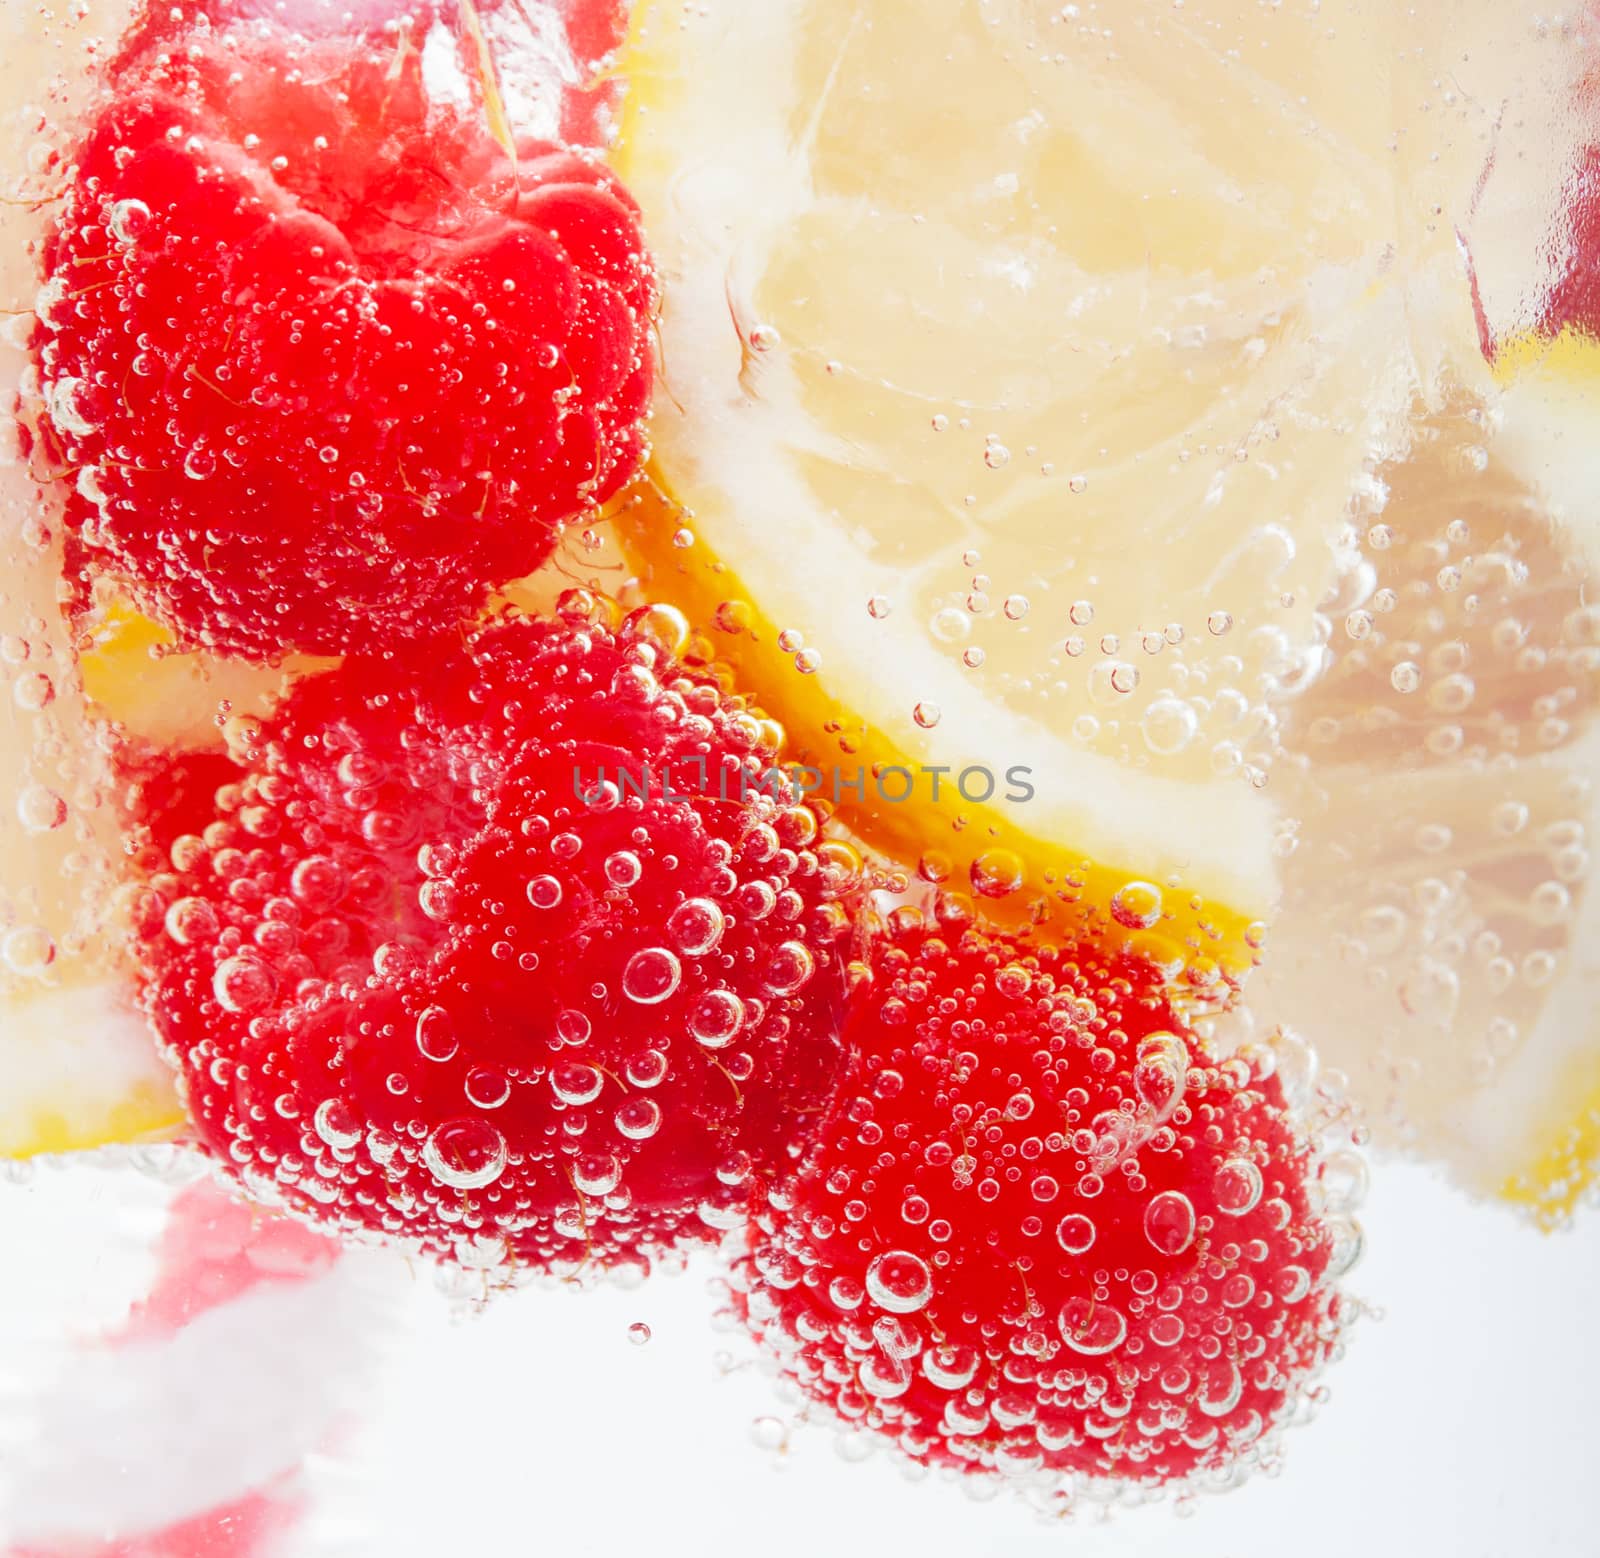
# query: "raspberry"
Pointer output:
{"type": "Point", "coordinates": [1043, 1231]}
{"type": "Point", "coordinates": [213, 1251]}
{"type": "Point", "coordinates": [413, 983]}
{"type": "Point", "coordinates": [1573, 299]}
{"type": "Point", "coordinates": [164, 795]}
{"type": "Point", "coordinates": [327, 362]}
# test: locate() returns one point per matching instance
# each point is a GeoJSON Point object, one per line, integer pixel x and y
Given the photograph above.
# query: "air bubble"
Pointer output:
{"type": "Point", "coordinates": [717, 1018]}
{"type": "Point", "coordinates": [575, 1083]}
{"type": "Point", "coordinates": [1136, 905]}
{"type": "Point", "coordinates": [659, 625]}
{"type": "Point", "coordinates": [1510, 817]}
{"type": "Point", "coordinates": [318, 882]}
{"type": "Point", "coordinates": [243, 984]}
{"type": "Point", "coordinates": [1237, 1187]}
{"type": "Point", "coordinates": [1167, 1330]}
{"type": "Point", "coordinates": [884, 1377]}
{"type": "Point", "coordinates": [191, 922]}
{"type": "Point", "coordinates": [337, 1123]}
{"type": "Point", "coordinates": [1221, 1387]}
{"type": "Point", "coordinates": [544, 892]}
{"type": "Point", "coordinates": [790, 968]}
{"type": "Point", "coordinates": [28, 949]}
{"type": "Point", "coordinates": [1111, 681]}
{"type": "Point", "coordinates": [1344, 1180]}
{"type": "Point", "coordinates": [696, 926]}
{"type": "Point", "coordinates": [465, 1154]}
{"type": "Point", "coordinates": [1293, 1283]}
{"type": "Point", "coordinates": [486, 1088]}
{"type": "Point", "coordinates": [951, 1366]}
{"type": "Point", "coordinates": [623, 868]}
{"type": "Point", "coordinates": [436, 1034]}
{"type": "Point", "coordinates": [651, 976]}
{"type": "Point", "coordinates": [597, 1174]}
{"type": "Point", "coordinates": [573, 1026]}
{"type": "Point", "coordinates": [62, 400]}
{"type": "Point", "coordinates": [1090, 1326]}
{"type": "Point", "coordinates": [1075, 1234]}
{"type": "Point", "coordinates": [1160, 1072]}
{"type": "Point", "coordinates": [997, 873]}
{"type": "Point", "coordinates": [40, 809]}
{"type": "Point", "coordinates": [638, 1119]}
{"type": "Point", "coordinates": [899, 1282]}
{"type": "Point", "coordinates": [33, 691]}
{"type": "Point", "coordinates": [1168, 726]}
{"type": "Point", "coordinates": [1169, 1222]}
{"type": "Point", "coordinates": [846, 1292]}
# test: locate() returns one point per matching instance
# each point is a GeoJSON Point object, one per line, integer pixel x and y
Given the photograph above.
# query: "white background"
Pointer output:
{"type": "Point", "coordinates": [1461, 1423]}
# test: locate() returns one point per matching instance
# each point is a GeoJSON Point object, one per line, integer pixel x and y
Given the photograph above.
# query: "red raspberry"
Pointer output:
{"type": "Point", "coordinates": [165, 794]}
{"type": "Point", "coordinates": [414, 984]}
{"type": "Point", "coordinates": [1573, 299]}
{"type": "Point", "coordinates": [1043, 1231]}
{"type": "Point", "coordinates": [327, 362]}
{"type": "Point", "coordinates": [214, 1250]}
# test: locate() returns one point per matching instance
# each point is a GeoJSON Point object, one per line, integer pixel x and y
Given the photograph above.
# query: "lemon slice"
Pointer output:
{"type": "Point", "coordinates": [1548, 409]}
{"type": "Point", "coordinates": [1068, 390]}
{"type": "Point", "coordinates": [134, 676]}
{"type": "Point", "coordinates": [1445, 794]}
{"type": "Point", "coordinates": [1018, 377]}
{"type": "Point", "coordinates": [76, 1067]}
{"type": "Point", "coordinates": [1439, 886]}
